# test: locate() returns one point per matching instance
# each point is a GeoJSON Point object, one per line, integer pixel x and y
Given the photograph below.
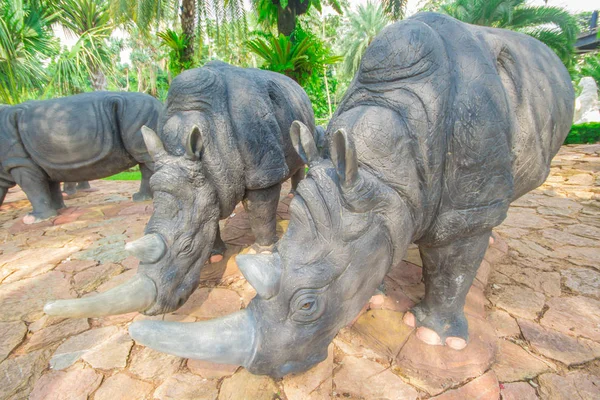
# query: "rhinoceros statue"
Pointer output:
{"type": "Point", "coordinates": [76, 138]}
{"type": "Point", "coordinates": [443, 126]}
{"type": "Point", "coordinates": [226, 139]}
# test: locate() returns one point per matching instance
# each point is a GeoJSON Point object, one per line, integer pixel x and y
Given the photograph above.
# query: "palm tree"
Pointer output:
{"type": "Point", "coordinates": [361, 28]}
{"type": "Point", "coordinates": [25, 40]}
{"type": "Point", "coordinates": [89, 21]}
{"type": "Point", "coordinates": [394, 9]}
{"type": "Point", "coordinates": [551, 25]}
{"type": "Point", "coordinates": [284, 13]}
{"type": "Point", "coordinates": [197, 19]}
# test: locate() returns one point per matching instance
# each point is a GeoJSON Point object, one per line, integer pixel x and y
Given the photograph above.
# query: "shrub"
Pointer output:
{"type": "Point", "coordinates": [584, 133]}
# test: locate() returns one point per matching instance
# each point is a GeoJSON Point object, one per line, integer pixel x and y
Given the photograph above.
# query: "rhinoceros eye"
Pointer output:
{"type": "Point", "coordinates": [306, 306]}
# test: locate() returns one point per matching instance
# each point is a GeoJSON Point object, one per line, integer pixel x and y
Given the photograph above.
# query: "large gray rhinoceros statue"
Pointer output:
{"type": "Point", "coordinates": [444, 125]}
{"type": "Point", "coordinates": [76, 138]}
{"type": "Point", "coordinates": [226, 134]}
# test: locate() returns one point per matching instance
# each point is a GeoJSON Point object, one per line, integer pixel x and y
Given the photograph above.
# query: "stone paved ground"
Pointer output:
{"type": "Point", "coordinates": [535, 327]}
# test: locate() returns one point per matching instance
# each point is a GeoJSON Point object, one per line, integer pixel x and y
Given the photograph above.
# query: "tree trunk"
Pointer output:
{"type": "Point", "coordinates": [286, 19]}
{"type": "Point", "coordinates": [98, 80]}
{"type": "Point", "coordinates": [188, 25]}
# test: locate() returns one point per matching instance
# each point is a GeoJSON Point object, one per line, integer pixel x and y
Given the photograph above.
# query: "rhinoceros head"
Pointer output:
{"type": "Point", "coordinates": [178, 239]}
{"type": "Point", "coordinates": [318, 280]}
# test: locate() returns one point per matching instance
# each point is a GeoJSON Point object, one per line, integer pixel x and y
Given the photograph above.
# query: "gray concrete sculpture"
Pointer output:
{"type": "Point", "coordinates": [226, 139]}
{"type": "Point", "coordinates": [444, 125]}
{"type": "Point", "coordinates": [70, 188]}
{"type": "Point", "coordinates": [77, 138]}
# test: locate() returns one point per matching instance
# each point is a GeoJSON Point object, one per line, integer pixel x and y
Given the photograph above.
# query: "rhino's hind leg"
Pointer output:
{"type": "Point", "coordinates": [296, 178]}
{"type": "Point", "coordinates": [83, 185]}
{"type": "Point", "coordinates": [145, 193]}
{"type": "Point", "coordinates": [261, 206]}
{"type": "Point", "coordinates": [34, 183]}
{"type": "Point", "coordinates": [69, 188]}
{"type": "Point", "coordinates": [3, 191]}
{"type": "Point", "coordinates": [448, 272]}
{"type": "Point", "coordinates": [56, 195]}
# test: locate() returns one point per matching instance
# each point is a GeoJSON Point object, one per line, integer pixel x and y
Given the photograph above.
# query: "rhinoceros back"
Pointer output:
{"type": "Point", "coordinates": [74, 133]}
{"type": "Point", "coordinates": [512, 106]}
{"type": "Point", "coordinates": [475, 115]}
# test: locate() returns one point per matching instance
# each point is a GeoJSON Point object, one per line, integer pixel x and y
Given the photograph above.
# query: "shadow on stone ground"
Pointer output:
{"type": "Point", "coordinates": [534, 310]}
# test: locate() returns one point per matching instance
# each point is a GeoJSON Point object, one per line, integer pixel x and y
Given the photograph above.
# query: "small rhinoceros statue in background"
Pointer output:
{"type": "Point", "coordinates": [444, 125]}
{"type": "Point", "coordinates": [76, 138]}
{"type": "Point", "coordinates": [225, 139]}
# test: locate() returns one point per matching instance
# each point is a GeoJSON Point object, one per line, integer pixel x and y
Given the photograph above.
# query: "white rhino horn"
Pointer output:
{"type": "Point", "coordinates": [262, 271]}
{"type": "Point", "coordinates": [149, 248]}
{"type": "Point", "coordinates": [153, 143]}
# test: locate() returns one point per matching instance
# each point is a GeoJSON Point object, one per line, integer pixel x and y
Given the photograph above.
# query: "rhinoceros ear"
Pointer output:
{"type": "Point", "coordinates": [343, 155]}
{"type": "Point", "coordinates": [153, 144]}
{"type": "Point", "coordinates": [304, 143]}
{"type": "Point", "coordinates": [193, 144]}
{"type": "Point", "coordinates": [262, 271]}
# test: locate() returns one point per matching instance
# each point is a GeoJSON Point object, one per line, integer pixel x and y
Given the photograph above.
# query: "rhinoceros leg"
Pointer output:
{"type": "Point", "coordinates": [145, 193]}
{"type": "Point", "coordinates": [296, 178]}
{"type": "Point", "coordinates": [3, 191]}
{"type": "Point", "coordinates": [83, 185]}
{"type": "Point", "coordinates": [35, 185]}
{"type": "Point", "coordinates": [56, 195]}
{"type": "Point", "coordinates": [448, 272]}
{"type": "Point", "coordinates": [218, 249]}
{"type": "Point", "coordinates": [261, 206]}
{"type": "Point", "coordinates": [70, 188]}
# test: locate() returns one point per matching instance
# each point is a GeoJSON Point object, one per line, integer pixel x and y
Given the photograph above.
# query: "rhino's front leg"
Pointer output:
{"type": "Point", "coordinates": [145, 193]}
{"type": "Point", "coordinates": [296, 179]}
{"type": "Point", "coordinates": [218, 249]}
{"type": "Point", "coordinates": [34, 183]}
{"type": "Point", "coordinates": [261, 206]}
{"type": "Point", "coordinates": [448, 272]}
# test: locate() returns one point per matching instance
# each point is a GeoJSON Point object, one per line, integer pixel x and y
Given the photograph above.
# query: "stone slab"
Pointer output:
{"type": "Point", "coordinates": [438, 368]}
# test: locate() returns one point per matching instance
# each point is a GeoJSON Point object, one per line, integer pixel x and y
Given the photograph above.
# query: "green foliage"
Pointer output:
{"type": "Point", "coordinates": [584, 133]}
{"type": "Point", "coordinates": [89, 21]}
{"type": "Point", "coordinates": [176, 42]}
{"type": "Point", "coordinates": [394, 8]}
{"type": "Point", "coordinates": [25, 40]}
{"type": "Point", "coordinates": [583, 21]}
{"type": "Point", "coordinates": [297, 56]}
{"type": "Point", "coordinates": [589, 65]}
{"type": "Point", "coordinates": [316, 89]}
{"type": "Point", "coordinates": [125, 176]}
{"type": "Point", "coordinates": [360, 30]}
{"type": "Point", "coordinates": [268, 10]}
{"type": "Point", "coordinates": [552, 25]}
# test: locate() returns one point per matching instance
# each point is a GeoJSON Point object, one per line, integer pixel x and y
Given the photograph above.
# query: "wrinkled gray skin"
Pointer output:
{"type": "Point", "coordinates": [77, 138]}
{"type": "Point", "coordinates": [225, 139]}
{"type": "Point", "coordinates": [444, 125]}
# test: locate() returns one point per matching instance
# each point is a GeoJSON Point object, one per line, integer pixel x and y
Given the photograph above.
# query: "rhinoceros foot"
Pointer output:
{"type": "Point", "coordinates": [36, 219]}
{"type": "Point", "coordinates": [141, 196]}
{"type": "Point", "coordinates": [258, 249]}
{"type": "Point", "coordinates": [433, 329]}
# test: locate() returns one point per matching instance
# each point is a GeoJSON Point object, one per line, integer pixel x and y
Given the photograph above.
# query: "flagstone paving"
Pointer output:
{"type": "Point", "coordinates": [533, 311]}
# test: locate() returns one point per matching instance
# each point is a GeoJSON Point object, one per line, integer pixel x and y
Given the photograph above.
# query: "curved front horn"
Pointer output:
{"type": "Point", "coordinates": [304, 143]}
{"type": "Point", "coordinates": [137, 294]}
{"type": "Point", "coordinates": [226, 340]}
{"type": "Point", "coordinates": [153, 143]}
{"type": "Point", "coordinates": [149, 248]}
